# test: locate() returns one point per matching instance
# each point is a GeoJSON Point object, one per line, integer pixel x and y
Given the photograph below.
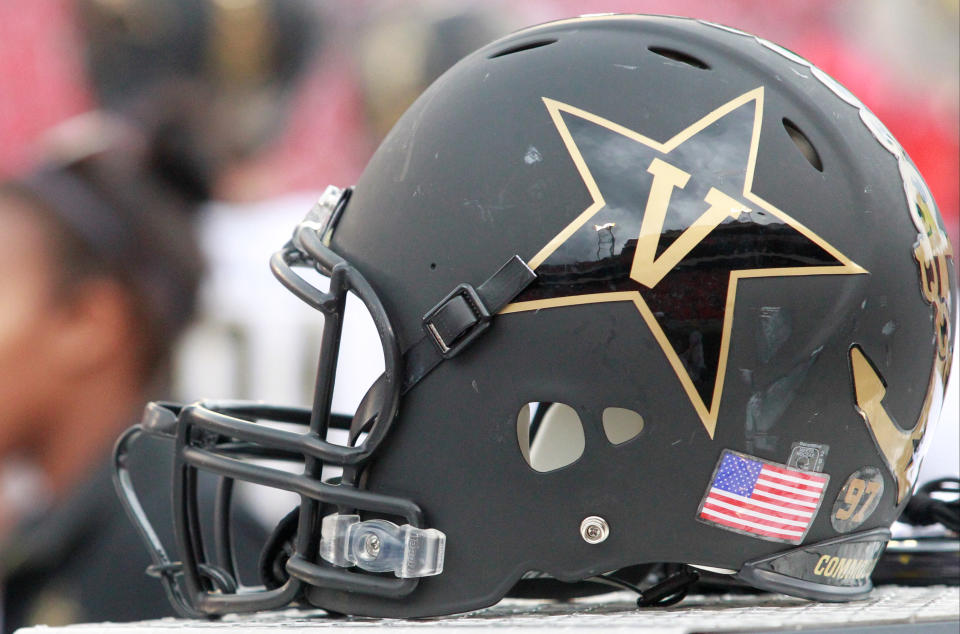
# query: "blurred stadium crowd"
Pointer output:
{"type": "Point", "coordinates": [220, 121]}
{"type": "Point", "coordinates": [365, 60]}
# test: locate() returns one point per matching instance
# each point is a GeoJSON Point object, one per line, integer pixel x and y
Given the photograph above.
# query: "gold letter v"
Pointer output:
{"type": "Point", "coordinates": [648, 269]}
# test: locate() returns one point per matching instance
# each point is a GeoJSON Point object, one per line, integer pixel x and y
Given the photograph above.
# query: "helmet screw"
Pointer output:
{"type": "Point", "coordinates": [594, 529]}
{"type": "Point", "coordinates": [371, 546]}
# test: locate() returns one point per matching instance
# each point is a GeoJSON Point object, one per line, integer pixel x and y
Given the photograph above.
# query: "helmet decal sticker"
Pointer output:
{"type": "Point", "coordinates": [849, 569]}
{"type": "Point", "coordinates": [898, 447]}
{"type": "Point", "coordinates": [761, 498]}
{"type": "Point", "coordinates": [843, 562]}
{"type": "Point", "coordinates": [808, 456]}
{"type": "Point", "coordinates": [934, 256]}
{"type": "Point", "coordinates": [857, 500]}
{"type": "Point", "coordinates": [673, 227]}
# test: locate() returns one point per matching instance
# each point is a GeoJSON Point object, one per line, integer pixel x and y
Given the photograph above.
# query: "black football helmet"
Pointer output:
{"type": "Point", "coordinates": [650, 290]}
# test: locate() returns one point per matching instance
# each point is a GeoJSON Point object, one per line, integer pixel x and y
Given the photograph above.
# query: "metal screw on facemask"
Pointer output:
{"type": "Point", "coordinates": [371, 546]}
{"type": "Point", "coordinates": [594, 529]}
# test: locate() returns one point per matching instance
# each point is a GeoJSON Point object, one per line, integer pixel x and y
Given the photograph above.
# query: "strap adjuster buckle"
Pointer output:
{"type": "Point", "coordinates": [456, 320]}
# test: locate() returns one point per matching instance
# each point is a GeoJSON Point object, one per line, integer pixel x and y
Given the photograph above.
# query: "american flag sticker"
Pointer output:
{"type": "Point", "coordinates": [762, 499]}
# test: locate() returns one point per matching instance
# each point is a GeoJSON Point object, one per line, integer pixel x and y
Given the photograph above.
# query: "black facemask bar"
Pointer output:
{"type": "Point", "coordinates": [222, 438]}
{"type": "Point", "coordinates": [225, 438]}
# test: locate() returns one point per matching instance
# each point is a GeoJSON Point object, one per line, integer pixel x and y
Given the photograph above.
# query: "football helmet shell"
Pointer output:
{"type": "Point", "coordinates": [698, 227]}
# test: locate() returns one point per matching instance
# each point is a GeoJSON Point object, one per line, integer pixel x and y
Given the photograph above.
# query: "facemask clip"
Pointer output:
{"type": "Point", "coordinates": [382, 546]}
{"type": "Point", "coordinates": [323, 216]}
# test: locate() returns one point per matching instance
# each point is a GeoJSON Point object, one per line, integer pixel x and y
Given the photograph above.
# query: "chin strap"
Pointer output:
{"type": "Point", "coordinates": [924, 509]}
{"type": "Point", "coordinates": [461, 316]}
{"type": "Point", "coordinates": [450, 326]}
{"type": "Point", "coordinates": [670, 591]}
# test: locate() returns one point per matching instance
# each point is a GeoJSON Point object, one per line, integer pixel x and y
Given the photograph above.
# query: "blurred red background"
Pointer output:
{"type": "Point", "coordinates": [901, 59]}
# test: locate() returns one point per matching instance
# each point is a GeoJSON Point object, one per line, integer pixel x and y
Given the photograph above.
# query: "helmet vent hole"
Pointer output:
{"type": "Point", "coordinates": [621, 425]}
{"type": "Point", "coordinates": [803, 144]}
{"type": "Point", "coordinates": [677, 56]}
{"type": "Point", "coordinates": [550, 435]}
{"type": "Point", "coordinates": [523, 46]}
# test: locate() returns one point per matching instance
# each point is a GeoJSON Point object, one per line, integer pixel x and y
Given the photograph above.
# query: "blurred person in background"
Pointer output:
{"type": "Point", "coordinates": [234, 64]}
{"type": "Point", "coordinates": [100, 270]}
{"type": "Point", "coordinates": [432, 37]}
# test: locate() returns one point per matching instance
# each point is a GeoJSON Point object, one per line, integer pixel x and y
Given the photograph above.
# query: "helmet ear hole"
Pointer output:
{"type": "Point", "coordinates": [550, 435]}
{"type": "Point", "coordinates": [621, 425]}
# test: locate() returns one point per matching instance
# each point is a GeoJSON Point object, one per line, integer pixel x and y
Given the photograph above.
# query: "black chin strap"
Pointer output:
{"type": "Point", "coordinates": [461, 316]}
{"type": "Point", "coordinates": [450, 326]}
{"type": "Point", "coordinates": [669, 591]}
{"type": "Point", "coordinates": [924, 509]}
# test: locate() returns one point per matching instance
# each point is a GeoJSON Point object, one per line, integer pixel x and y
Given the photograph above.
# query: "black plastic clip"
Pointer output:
{"type": "Point", "coordinates": [456, 320]}
{"type": "Point", "coordinates": [461, 317]}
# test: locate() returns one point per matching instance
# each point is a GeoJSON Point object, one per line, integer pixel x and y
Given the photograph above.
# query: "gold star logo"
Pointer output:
{"type": "Point", "coordinates": [672, 227]}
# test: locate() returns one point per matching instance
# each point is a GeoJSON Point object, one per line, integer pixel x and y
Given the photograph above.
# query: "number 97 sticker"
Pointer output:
{"type": "Point", "coordinates": [858, 499]}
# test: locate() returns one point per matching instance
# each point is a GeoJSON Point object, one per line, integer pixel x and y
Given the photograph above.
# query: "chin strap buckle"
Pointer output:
{"type": "Point", "coordinates": [465, 312]}
{"type": "Point", "coordinates": [382, 546]}
{"type": "Point", "coordinates": [460, 317]}
{"type": "Point", "coordinates": [456, 320]}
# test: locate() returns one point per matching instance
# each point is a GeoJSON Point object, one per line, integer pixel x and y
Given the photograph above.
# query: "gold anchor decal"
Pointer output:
{"type": "Point", "coordinates": [896, 445]}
